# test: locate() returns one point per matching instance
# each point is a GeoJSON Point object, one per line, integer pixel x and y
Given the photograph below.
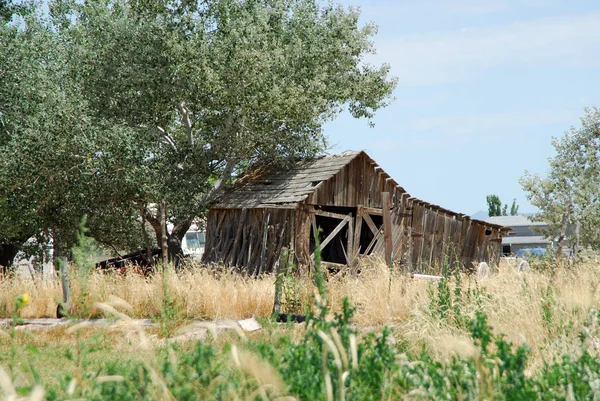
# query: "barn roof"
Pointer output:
{"type": "Point", "coordinates": [276, 187]}
{"type": "Point", "coordinates": [273, 187]}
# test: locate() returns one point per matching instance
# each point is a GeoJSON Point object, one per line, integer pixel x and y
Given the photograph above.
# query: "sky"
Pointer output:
{"type": "Point", "coordinates": [483, 86]}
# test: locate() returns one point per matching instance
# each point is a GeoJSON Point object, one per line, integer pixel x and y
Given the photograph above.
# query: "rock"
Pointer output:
{"type": "Point", "coordinates": [249, 324]}
{"type": "Point", "coordinates": [523, 267]}
{"type": "Point", "coordinates": [483, 270]}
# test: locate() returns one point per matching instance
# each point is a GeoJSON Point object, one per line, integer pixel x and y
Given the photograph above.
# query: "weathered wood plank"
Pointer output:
{"type": "Point", "coordinates": [374, 241]}
{"type": "Point", "coordinates": [350, 242]}
{"type": "Point", "coordinates": [387, 227]}
{"type": "Point", "coordinates": [370, 223]}
{"type": "Point", "coordinates": [330, 214]}
{"type": "Point", "coordinates": [263, 251]}
{"type": "Point", "coordinates": [373, 210]}
{"type": "Point", "coordinates": [357, 233]}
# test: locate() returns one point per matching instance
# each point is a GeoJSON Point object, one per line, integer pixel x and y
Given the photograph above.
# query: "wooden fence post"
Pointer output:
{"type": "Point", "coordinates": [387, 227]}
{"type": "Point", "coordinates": [64, 308]}
{"type": "Point", "coordinates": [164, 247]}
{"type": "Point", "coordinates": [282, 268]}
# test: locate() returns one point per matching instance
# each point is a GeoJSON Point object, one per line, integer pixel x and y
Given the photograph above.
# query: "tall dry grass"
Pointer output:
{"type": "Point", "coordinates": [547, 314]}
{"type": "Point", "coordinates": [196, 293]}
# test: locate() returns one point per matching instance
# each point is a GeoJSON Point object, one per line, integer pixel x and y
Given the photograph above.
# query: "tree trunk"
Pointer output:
{"type": "Point", "coordinates": [149, 258]}
{"type": "Point", "coordinates": [163, 235]}
{"type": "Point", "coordinates": [173, 240]}
{"type": "Point", "coordinates": [175, 250]}
{"type": "Point", "coordinates": [563, 231]}
{"type": "Point", "coordinates": [576, 244]}
{"type": "Point", "coordinates": [64, 279]}
{"type": "Point", "coordinates": [8, 251]}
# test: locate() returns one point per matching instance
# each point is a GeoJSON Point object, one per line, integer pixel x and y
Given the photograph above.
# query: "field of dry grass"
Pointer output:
{"type": "Point", "coordinates": [547, 314]}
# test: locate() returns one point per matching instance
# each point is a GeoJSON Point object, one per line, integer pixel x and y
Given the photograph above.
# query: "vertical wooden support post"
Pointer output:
{"type": "Point", "coordinates": [163, 234]}
{"type": "Point", "coordinates": [350, 242]}
{"type": "Point", "coordinates": [64, 278]}
{"type": "Point", "coordinates": [306, 236]}
{"type": "Point", "coordinates": [146, 239]}
{"type": "Point", "coordinates": [263, 251]}
{"type": "Point", "coordinates": [387, 227]}
{"type": "Point", "coordinates": [356, 243]}
{"type": "Point", "coordinates": [409, 243]}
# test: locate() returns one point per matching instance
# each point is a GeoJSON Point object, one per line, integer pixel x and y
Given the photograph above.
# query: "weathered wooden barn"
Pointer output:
{"type": "Point", "coordinates": [359, 210]}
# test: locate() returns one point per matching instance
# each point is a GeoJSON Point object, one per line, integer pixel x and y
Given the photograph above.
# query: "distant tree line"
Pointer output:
{"type": "Point", "coordinates": [495, 207]}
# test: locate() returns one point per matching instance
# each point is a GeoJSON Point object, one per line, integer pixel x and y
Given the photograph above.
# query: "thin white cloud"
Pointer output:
{"type": "Point", "coordinates": [444, 57]}
{"type": "Point", "coordinates": [463, 129]}
{"type": "Point", "coordinates": [454, 7]}
{"type": "Point", "coordinates": [461, 124]}
{"type": "Point", "coordinates": [398, 12]}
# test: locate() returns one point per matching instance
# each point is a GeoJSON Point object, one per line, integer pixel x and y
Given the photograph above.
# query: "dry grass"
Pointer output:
{"type": "Point", "coordinates": [546, 314]}
{"type": "Point", "coordinates": [196, 294]}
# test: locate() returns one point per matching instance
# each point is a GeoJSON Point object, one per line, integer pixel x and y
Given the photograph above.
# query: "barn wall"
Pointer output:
{"type": "Point", "coordinates": [236, 237]}
{"type": "Point", "coordinates": [423, 235]}
{"type": "Point", "coordinates": [439, 237]}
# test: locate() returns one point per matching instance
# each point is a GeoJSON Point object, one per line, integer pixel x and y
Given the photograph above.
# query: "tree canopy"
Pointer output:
{"type": "Point", "coordinates": [569, 194]}
{"type": "Point", "coordinates": [112, 107]}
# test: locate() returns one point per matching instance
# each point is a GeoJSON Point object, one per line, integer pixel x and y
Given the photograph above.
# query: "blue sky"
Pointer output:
{"type": "Point", "coordinates": [483, 87]}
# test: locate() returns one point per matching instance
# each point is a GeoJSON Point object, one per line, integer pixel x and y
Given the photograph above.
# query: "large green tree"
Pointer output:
{"type": "Point", "coordinates": [206, 88]}
{"type": "Point", "coordinates": [57, 163]}
{"type": "Point", "coordinates": [569, 194]}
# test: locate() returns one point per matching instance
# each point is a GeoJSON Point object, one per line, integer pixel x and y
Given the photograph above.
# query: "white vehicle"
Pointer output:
{"type": "Point", "coordinates": [192, 243]}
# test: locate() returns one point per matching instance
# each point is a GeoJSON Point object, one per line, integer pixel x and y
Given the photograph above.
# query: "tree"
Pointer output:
{"type": "Point", "coordinates": [23, 83]}
{"type": "Point", "coordinates": [208, 88]}
{"type": "Point", "coordinates": [514, 208]}
{"type": "Point", "coordinates": [569, 194]}
{"type": "Point", "coordinates": [56, 162]}
{"type": "Point", "coordinates": [494, 205]}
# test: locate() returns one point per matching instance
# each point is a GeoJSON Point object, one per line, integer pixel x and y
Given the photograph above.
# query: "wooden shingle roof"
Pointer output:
{"type": "Point", "coordinates": [272, 187]}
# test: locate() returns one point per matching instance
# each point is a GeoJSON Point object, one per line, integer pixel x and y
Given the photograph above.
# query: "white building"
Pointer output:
{"type": "Point", "coordinates": [524, 233]}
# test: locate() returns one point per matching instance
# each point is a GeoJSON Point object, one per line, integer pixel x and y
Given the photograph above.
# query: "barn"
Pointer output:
{"type": "Point", "coordinates": [357, 209]}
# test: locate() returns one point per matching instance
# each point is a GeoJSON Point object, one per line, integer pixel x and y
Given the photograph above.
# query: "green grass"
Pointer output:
{"type": "Point", "coordinates": [329, 360]}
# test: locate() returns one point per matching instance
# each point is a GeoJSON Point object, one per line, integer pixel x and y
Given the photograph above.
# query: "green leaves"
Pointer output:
{"type": "Point", "coordinates": [57, 162]}
{"type": "Point", "coordinates": [111, 104]}
{"type": "Point", "coordinates": [571, 188]}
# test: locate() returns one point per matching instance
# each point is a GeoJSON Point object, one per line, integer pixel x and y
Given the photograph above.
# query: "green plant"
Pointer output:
{"type": "Point", "coordinates": [172, 314]}
{"type": "Point", "coordinates": [547, 302]}
{"type": "Point", "coordinates": [83, 264]}
{"type": "Point", "coordinates": [293, 301]}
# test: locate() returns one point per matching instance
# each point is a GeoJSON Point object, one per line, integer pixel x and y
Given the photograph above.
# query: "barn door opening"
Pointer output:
{"type": "Point", "coordinates": [336, 228]}
{"type": "Point", "coordinates": [371, 231]}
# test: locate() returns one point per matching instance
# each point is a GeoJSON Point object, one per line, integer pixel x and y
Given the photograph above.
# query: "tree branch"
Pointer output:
{"type": "Point", "coordinates": [168, 139]}
{"type": "Point", "coordinates": [154, 222]}
{"type": "Point", "coordinates": [225, 176]}
{"type": "Point", "coordinates": [185, 115]}
{"type": "Point", "coordinates": [181, 228]}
